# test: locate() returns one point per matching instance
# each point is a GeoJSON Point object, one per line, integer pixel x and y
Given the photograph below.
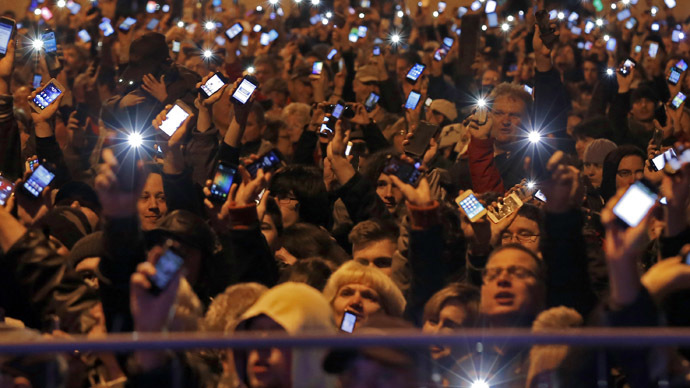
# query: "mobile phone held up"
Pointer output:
{"type": "Point", "coordinates": [349, 322]}
{"type": "Point", "coordinates": [245, 89]}
{"type": "Point", "coordinates": [50, 47]}
{"type": "Point", "coordinates": [7, 27]}
{"type": "Point", "coordinates": [414, 73]}
{"type": "Point", "coordinates": [413, 100]}
{"type": "Point", "coordinates": [546, 32]}
{"type": "Point", "coordinates": [371, 101]}
{"type": "Point", "coordinates": [628, 65]}
{"type": "Point", "coordinates": [167, 266]}
{"type": "Point", "coordinates": [471, 206]}
{"type": "Point", "coordinates": [175, 117]}
{"type": "Point", "coordinates": [421, 137]}
{"type": "Point", "coordinates": [222, 181]}
{"type": "Point", "coordinates": [674, 76]}
{"type": "Point", "coordinates": [633, 206]}
{"type": "Point", "coordinates": [6, 189]}
{"type": "Point", "coordinates": [233, 31]}
{"type": "Point", "coordinates": [268, 162]}
{"type": "Point", "coordinates": [38, 181]}
{"type": "Point", "coordinates": [678, 100]}
{"type": "Point", "coordinates": [406, 172]}
{"type": "Point", "coordinates": [659, 162]}
{"type": "Point", "coordinates": [213, 85]}
{"type": "Point", "coordinates": [509, 205]}
{"type": "Point", "coordinates": [48, 95]}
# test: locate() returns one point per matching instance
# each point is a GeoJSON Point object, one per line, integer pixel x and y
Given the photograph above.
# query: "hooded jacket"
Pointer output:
{"type": "Point", "coordinates": [299, 309]}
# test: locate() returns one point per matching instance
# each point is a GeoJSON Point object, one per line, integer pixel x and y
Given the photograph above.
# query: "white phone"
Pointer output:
{"type": "Point", "coordinates": [175, 117]}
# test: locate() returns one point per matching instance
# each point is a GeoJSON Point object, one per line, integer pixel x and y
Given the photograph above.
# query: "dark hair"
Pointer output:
{"type": "Point", "coordinates": [273, 211]}
{"type": "Point", "coordinates": [304, 240]}
{"type": "Point", "coordinates": [272, 130]}
{"type": "Point", "coordinates": [313, 271]}
{"type": "Point", "coordinates": [597, 127]}
{"type": "Point", "coordinates": [534, 213]}
{"type": "Point", "coordinates": [306, 184]}
{"type": "Point", "coordinates": [259, 114]}
{"type": "Point", "coordinates": [611, 162]}
{"type": "Point", "coordinates": [466, 294]}
{"type": "Point", "coordinates": [375, 164]}
{"type": "Point", "coordinates": [373, 230]}
{"type": "Point", "coordinates": [410, 57]}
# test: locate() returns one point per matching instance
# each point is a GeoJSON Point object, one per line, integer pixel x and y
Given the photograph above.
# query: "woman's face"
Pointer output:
{"type": "Point", "coordinates": [630, 169]}
{"type": "Point", "coordinates": [359, 299]}
{"type": "Point", "coordinates": [453, 316]}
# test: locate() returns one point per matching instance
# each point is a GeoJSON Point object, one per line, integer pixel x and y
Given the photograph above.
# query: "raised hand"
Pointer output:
{"type": "Point", "coordinates": [155, 87]}
{"type": "Point", "coordinates": [47, 113]}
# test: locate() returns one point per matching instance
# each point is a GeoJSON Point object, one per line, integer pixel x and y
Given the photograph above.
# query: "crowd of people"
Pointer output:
{"type": "Point", "coordinates": [344, 167]}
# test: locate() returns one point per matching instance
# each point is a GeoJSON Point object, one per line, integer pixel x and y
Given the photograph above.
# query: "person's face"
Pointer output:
{"type": "Point", "coordinates": [366, 373]}
{"type": "Point", "coordinates": [378, 254]}
{"type": "Point", "coordinates": [253, 131]}
{"type": "Point", "coordinates": [72, 60]}
{"type": "Point", "coordinates": [284, 143]}
{"type": "Point", "coordinates": [263, 72]}
{"type": "Point", "coordinates": [581, 144]}
{"type": "Point", "coordinates": [359, 299]}
{"type": "Point", "coordinates": [401, 68]}
{"type": "Point", "coordinates": [434, 117]}
{"type": "Point", "coordinates": [268, 368]}
{"type": "Point", "coordinates": [268, 229]}
{"type": "Point", "coordinates": [361, 90]}
{"type": "Point", "coordinates": [490, 78]}
{"type": "Point", "coordinates": [573, 121]}
{"type": "Point", "coordinates": [289, 208]}
{"type": "Point", "coordinates": [522, 231]}
{"type": "Point", "coordinates": [453, 316]}
{"type": "Point", "coordinates": [591, 73]}
{"type": "Point", "coordinates": [388, 192]}
{"type": "Point", "coordinates": [507, 114]}
{"type": "Point", "coordinates": [279, 99]}
{"type": "Point", "coordinates": [302, 91]}
{"type": "Point", "coordinates": [630, 169]}
{"type": "Point", "coordinates": [594, 172]}
{"type": "Point", "coordinates": [507, 299]}
{"type": "Point", "coordinates": [151, 204]}
{"type": "Point", "coordinates": [643, 109]}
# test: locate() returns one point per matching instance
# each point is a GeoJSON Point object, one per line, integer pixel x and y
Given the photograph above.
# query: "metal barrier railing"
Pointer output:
{"type": "Point", "coordinates": [125, 342]}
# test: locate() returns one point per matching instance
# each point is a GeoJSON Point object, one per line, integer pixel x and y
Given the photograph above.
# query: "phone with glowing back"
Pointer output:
{"type": "Point", "coordinates": [471, 206]}
{"type": "Point", "coordinates": [48, 95]}
{"type": "Point", "coordinates": [7, 27]}
{"type": "Point", "coordinates": [674, 76]}
{"type": "Point", "coordinates": [421, 138]}
{"type": "Point", "coordinates": [167, 266]}
{"type": "Point", "coordinates": [633, 206]}
{"type": "Point", "coordinates": [175, 117]}
{"type": "Point", "coordinates": [371, 101]}
{"type": "Point", "coordinates": [223, 179]}
{"type": "Point", "coordinates": [349, 322]}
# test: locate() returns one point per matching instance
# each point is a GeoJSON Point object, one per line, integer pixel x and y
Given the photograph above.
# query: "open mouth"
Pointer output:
{"type": "Point", "coordinates": [504, 298]}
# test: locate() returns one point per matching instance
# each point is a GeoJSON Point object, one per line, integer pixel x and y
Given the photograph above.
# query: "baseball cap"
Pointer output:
{"type": "Point", "coordinates": [367, 73]}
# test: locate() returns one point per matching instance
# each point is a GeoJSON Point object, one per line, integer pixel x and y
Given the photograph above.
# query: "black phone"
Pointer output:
{"type": "Point", "coordinates": [547, 33]}
{"type": "Point", "coordinates": [38, 181]}
{"type": "Point", "coordinates": [213, 85]}
{"type": "Point", "coordinates": [419, 142]}
{"type": "Point", "coordinates": [7, 27]}
{"type": "Point", "coordinates": [245, 89]}
{"type": "Point", "coordinates": [223, 178]}
{"type": "Point", "coordinates": [327, 125]}
{"type": "Point", "coordinates": [269, 162]}
{"type": "Point", "coordinates": [167, 266]}
{"type": "Point", "coordinates": [51, 56]}
{"type": "Point", "coordinates": [371, 101]}
{"type": "Point", "coordinates": [628, 65]}
{"type": "Point", "coordinates": [408, 173]}
{"type": "Point", "coordinates": [415, 72]}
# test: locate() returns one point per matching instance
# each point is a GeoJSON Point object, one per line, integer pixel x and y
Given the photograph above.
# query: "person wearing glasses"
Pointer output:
{"type": "Point", "coordinates": [622, 167]}
{"type": "Point", "coordinates": [525, 229]}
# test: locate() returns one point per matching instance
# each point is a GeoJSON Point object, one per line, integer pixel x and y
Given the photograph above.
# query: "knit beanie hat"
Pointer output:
{"type": "Point", "coordinates": [89, 246]}
{"type": "Point", "coordinates": [597, 150]}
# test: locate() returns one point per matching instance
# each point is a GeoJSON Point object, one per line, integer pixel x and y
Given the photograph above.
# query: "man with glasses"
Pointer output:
{"type": "Point", "coordinates": [525, 229]}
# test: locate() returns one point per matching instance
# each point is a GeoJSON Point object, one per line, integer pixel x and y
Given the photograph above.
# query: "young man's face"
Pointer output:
{"type": "Point", "coordinates": [509, 299]}
{"type": "Point", "coordinates": [151, 204]}
{"type": "Point", "coordinates": [359, 299]}
{"type": "Point", "coordinates": [268, 368]}
{"type": "Point", "coordinates": [388, 192]}
{"type": "Point", "coordinates": [594, 172]}
{"type": "Point", "coordinates": [522, 231]}
{"type": "Point", "coordinates": [507, 114]}
{"type": "Point", "coordinates": [581, 143]}
{"type": "Point", "coordinates": [642, 109]}
{"type": "Point", "coordinates": [378, 254]}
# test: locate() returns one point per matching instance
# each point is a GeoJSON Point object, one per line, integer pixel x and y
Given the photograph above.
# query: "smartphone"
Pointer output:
{"type": "Point", "coordinates": [471, 206]}
{"type": "Point", "coordinates": [106, 27]}
{"type": "Point", "coordinates": [611, 44]}
{"type": "Point", "coordinates": [540, 196]}
{"type": "Point", "coordinates": [589, 26]}
{"type": "Point", "coordinates": [317, 68]}
{"type": "Point", "coordinates": [573, 17]}
{"type": "Point", "coordinates": [327, 126]}
{"type": "Point", "coordinates": [84, 36]}
{"type": "Point", "coordinates": [338, 110]}
{"type": "Point", "coordinates": [175, 117]}
{"type": "Point", "coordinates": [576, 30]}
{"type": "Point", "coordinates": [37, 81]}
{"type": "Point", "coordinates": [152, 24]}
{"type": "Point", "coordinates": [265, 40]}
{"type": "Point", "coordinates": [653, 49]}
{"type": "Point", "coordinates": [628, 65]}
{"type": "Point", "coordinates": [588, 46]}
{"type": "Point", "coordinates": [73, 7]}
{"type": "Point", "coordinates": [269, 162]}
{"type": "Point", "coordinates": [49, 42]}
{"type": "Point", "coordinates": [631, 23]}
{"type": "Point", "coordinates": [354, 35]}
{"type": "Point", "coordinates": [440, 54]}
{"type": "Point", "coordinates": [670, 3]}
{"type": "Point", "coordinates": [635, 203]}
{"type": "Point", "coordinates": [272, 35]}
{"type": "Point", "coordinates": [315, 19]}
{"type": "Point", "coordinates": [348, 323]}
{"type": "Point", "coordinates": [6, 189]}
{"type": "Point", "coordinates": [7, 27]}
{"type": "Point", "coordinates": [406, 172]}
{"type": "Point", "coordinates": [677, 36]}
{"type": "Point", "coordinates": [47, 96]}
{"type": "Point", "coordinates": [332, 54]}
{"type": "Point", "coordinates": [175, 46]}
{"type": "Point", "coordinates": [165, 8]}
{"type": "Point", "coordinates": [624, 14]}
{"type": "Point", "coordinates": [682, 65]}
{"type": "Point", "coordinates": [419, 142]}
{"type": "Point", "coordinates": [441, 6]}
{"type": "Point", "coordinates": [376, 51]}
{"type": "Point", "coordinates": [476, 5]}
{"type": "Point", "coordinates": [371, 101]}
{"type": "Point", "coordinates": [678, 100]}
{"type": "Point", "coordinates": [46, 14]}
{"type": "Point", "coordinates": [674, 76]}
{"type": "Point", "coordinates": [38, 181]}
{"type": "Point", "coordinates": [509, 205]}
{"type": "Point", "coordinates": [412, 100]}
{"type": "Point", "coordinates": [415, 72]}
{"type": "Point", "coordinates": [528, 89]}
{"type": "Point", "coordinates": [222, 181]}
{"type": "Point", "coordinates": [167, 266]}
{"type": "Point", "coordinates": [151, 6]}
{"type": "Point", "coordinates": [233, 31]}
{"type": "Point", "coordinates": [492, 20]}
{"type": "Point", "coordinates": [547, 32]}
{"type": "Point", "coordinates": [362, 31]}
{"type": "Point", "coordinates": [659, 161]}
{"type": "Point", "coordinates": [127, 24]}
{"type": "Point", "coordinates": [246, 89]}
{"type": "Point", "coordinates": [220, 41]}
{"type": "Point", "coordinates": [213, 85]}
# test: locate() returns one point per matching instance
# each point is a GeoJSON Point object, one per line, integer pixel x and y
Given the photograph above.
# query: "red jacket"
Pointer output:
{"type": "Point", "coordinates": [483, 171]}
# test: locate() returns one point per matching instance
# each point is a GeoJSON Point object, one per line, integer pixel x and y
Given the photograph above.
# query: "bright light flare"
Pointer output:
{"type": "Point", "coordinates": [625, 2]}
{"type": "Point", "coordinates": [600, 22]}
{"type": "Point", "coordinates": [531, 185]}
{"type": "Point", "coordinates": [210, 25]}
{"type": "Point", "coordinates": [510, 18]}
{"type": "Point", "coordinates": [329, 14]}
{"type": "Point", "coordinates": [273, 2]}
{"type": "Point", "coordinates": [207, 54]}
{"type": "Point", "coordinates": [505, 27]}
{"type": "Point", "coordinates": [250, 70]}
{"type": "Point", "coordinates": [61, 3]}
{"type": "Point", "coordinates": [484, 27]}
{"type": "Point", "coordinates": [135, 139]}
{"type": "Point", "coordinates": [435, 14]}
{"type": "Point", "coordinates": [481, 103]}
{"type": "Point", "coordinates": [534, 137]}
{"type": "Point", "coordinates": [37, 44]}
{"type": "Point", "coordinates": [401, 14]}
{"type": "Point", "coordinates": [324, 22]}
{"type": "Point", "coordinates": [610, 72]}
{"type": "Point", "coordinates": [37, 12]}
{"type": "Point", "coordinates": [561, 15]}
{"type": "Point", "coordinates": [613, 6]}
{"type": "Point", "coordinates": [480, 384]}
{"type": "Point", "coordinates": [606, 38]}
{"type": "Point", "coordinates": [361, 15]}
{"type": "Point", "coordinates": [315, 2]}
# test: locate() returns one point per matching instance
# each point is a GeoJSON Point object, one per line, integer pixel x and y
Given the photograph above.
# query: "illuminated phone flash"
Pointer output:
{"type": "Point", "coordinates": [273, 2]}
{"type": "Point", "coordinates": [510, 18]}
{"type": "Point", "coordinates": [207, 54]}
{"type": "Point", "coordinates": [530, 185]}
{"type": "Point", "coordinates": [37, 44]}
{"type": "Point", "coordinates": [315, 2]}
{"type": "Point", "coordinates": [600, 22]}
{"type": "Point", "coordinates": [481, 103]}
{"type": "Point", "coordinates": [505, 27]}
{"type": "Point", "coordinates": [395, 38]}
{"type": "Point", "coordinates": [613, 6]}
{"type": "Point", "coordinates": [250, 70]}
{"type": "Point", "coordinates": [329, 14]}
{"type": "Point", "coordinates": [480, 384]}
{"type": "Point", "coordinates": [534, 137]}
{"type": "Point", "coordinates": [210, 25]}
{"type": "Point", "coordinates": [135, 139]}
{"type": "Point", "coordinates": [37, 12]}
{"type": "Point", "coordinates": [610, 72]}
{"type": "Point", "coordinates": [180, 24]}
{"type": "Point", "coordinates": [561, 15]}
{"type": "Point", "coordinates": [61, 3]}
